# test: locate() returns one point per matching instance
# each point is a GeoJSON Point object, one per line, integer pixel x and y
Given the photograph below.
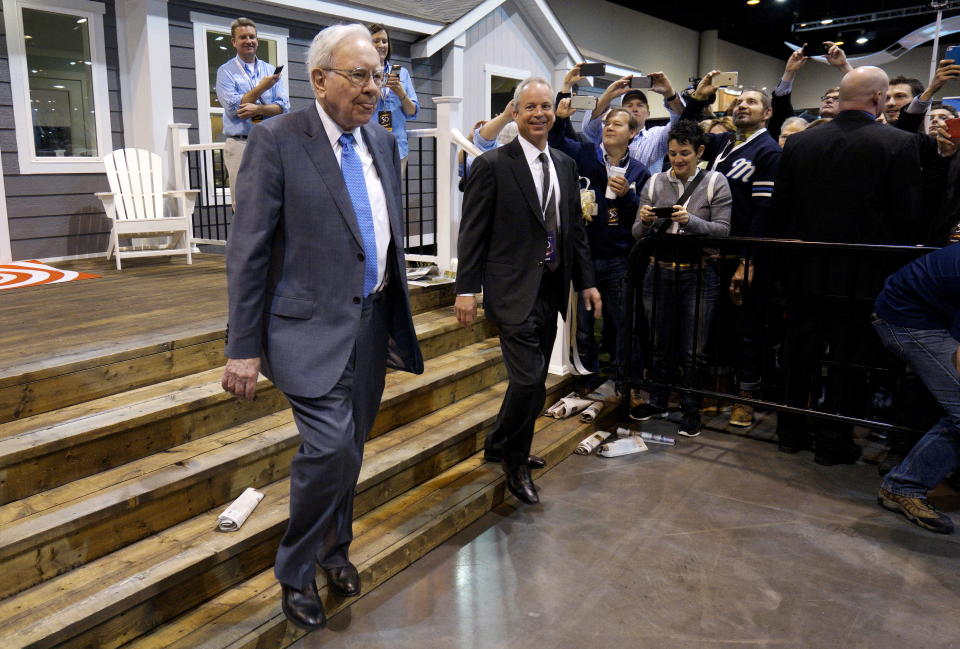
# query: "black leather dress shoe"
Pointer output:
{"type": "Point", "coordinates": [303, 607]}
{"type": "Point", "coordinates": [344, 580]}
{"type": "Point", "coordinates": [533, 461]}
{"type": "Point", "coordinates": [519, 483]}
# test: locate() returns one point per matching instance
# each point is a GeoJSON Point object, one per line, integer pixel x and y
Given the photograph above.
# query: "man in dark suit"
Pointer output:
{"type": "Point", "coordinates": [318, 298]}
{"type": "Point", "coordinates": [521, 242]}
{"type": "Point", "coordinates": [852, 181]}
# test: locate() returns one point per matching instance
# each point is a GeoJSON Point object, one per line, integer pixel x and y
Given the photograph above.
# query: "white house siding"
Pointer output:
{"type": "Point", "coordinates": [503, 39]}
{"type": "Point", "coordinates": [56, 215]}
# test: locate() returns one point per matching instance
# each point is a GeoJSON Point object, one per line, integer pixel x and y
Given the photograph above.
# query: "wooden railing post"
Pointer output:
{"type": "Point", "coordinates": [448, 196]}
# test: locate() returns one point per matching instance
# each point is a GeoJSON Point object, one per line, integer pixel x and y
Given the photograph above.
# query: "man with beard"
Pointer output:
{"type": "Point", "coordinates": [748, 158]}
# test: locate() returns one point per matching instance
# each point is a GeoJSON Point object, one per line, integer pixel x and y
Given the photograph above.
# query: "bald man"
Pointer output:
{"type": "Point", "coordinates": [852, 180]}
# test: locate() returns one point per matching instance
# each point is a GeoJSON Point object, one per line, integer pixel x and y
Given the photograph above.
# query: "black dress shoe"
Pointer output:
{"type": "Point", "coordinates": [303, 607]}
{"type": "Point", "coordinates": [344, 580]}
{"type": "Point", "coordinates": [519, 483]}
{"type": "Point", "coordinates": [533, 461]}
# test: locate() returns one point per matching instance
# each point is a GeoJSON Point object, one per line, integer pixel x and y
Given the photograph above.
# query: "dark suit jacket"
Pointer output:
{"type": "Point", "coordinates": [503, 239]}
{"type": "Point", "coordinates": [295, 256]}
{"type": "Point", "coordinates": [854, 181]}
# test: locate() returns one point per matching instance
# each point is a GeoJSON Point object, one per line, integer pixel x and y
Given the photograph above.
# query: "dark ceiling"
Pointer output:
{"type": "Point", "coordinates": [765, 26]}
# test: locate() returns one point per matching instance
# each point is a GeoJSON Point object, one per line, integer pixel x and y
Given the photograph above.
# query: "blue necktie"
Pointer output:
{"type": "Point", "coordinates": [352, 171]}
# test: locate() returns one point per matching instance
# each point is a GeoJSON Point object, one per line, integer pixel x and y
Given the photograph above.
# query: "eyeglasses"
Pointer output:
{"type": "Point", "coordinates": [830, 99]}
{"type": "Point", "coordinates": [360, 76]}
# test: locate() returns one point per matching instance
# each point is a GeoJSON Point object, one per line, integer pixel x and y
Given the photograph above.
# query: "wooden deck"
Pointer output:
{"type": "Point", "coordinates": [149, 302]}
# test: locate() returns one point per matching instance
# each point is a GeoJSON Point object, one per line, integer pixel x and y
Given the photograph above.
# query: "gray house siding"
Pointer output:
{"type": "Point", "coordinates": [425, 74]}
{"type": "Point", "coordinates": [55, 215]}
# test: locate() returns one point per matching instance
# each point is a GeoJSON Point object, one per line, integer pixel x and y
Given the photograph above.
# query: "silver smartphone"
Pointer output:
{"type": "Point", "coordinates": [583, 102]}
{"type": "Point", "coordinates": [724, 79]}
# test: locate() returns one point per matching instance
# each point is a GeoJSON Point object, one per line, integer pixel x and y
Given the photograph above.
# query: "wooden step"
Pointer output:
{"type": "Point", "coordinates": [57, 530]}
{"type": "Point", "coordinates": [96, 368]}
{"type": "Point", "coordinates": [54, 448]}
{"type": "Point", "coordinates": [120, 596]}
{"type": "Point", "coordinates": [388, 539]}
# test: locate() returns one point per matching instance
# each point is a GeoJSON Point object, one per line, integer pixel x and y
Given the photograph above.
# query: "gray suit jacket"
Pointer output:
{"type": "Point", "coordinates": [295, 257]}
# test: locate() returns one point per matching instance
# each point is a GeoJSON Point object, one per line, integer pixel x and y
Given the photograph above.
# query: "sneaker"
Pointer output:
{"type": "Point", "coordinates": [711, 407]}
{"type": "Point", "coordinates": [917, 510]}
{"type": "Point", "coordinates": [645, 411]}
{"type": "Point", "coordinates": [741, 415]}
{"type": "Point", "coordinates": [690, 425]}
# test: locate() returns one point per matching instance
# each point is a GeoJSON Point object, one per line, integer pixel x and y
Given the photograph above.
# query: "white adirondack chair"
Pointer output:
{"type": "Point", "coordinates": [135, 205]}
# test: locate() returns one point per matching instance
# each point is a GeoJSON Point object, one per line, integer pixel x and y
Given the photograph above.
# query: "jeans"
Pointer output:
{"type": "Point", "coordinates": [671, 303]}
{"type": "Point", "coordinates": [611, 278]}
{"type": "Point", "coordinates": [937, 454]}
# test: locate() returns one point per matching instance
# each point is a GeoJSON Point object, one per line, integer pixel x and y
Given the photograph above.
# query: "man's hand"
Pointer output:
{"type": "Point", "coordinates": [619, 185]}
{"type": "Point", "coordinates": [246, 111]}
{"type": "Point", "coordinates": [704, 89]}
{"type": "Point", "coordinates": [740, 283]}
{"type": "Point", "coordinates": [680, 215]}
{"type": "Point", "coordinates": [465, 308]}
{"type": "Point", "coordinates": [563, 110]}
{"type": "Point", "coordinates": [837, 57]}
{"type": "Point", "coordinates": [268, 82]}
{"type": "Point", "coordinates": [614, 90]}
{"type": "Point", "coordinates": [796, 61]}
{"type": "Point", "coordinates": [661, 84]}
{"type": "Point", "coordinates": [240, 377]}
{"type": "Point", "coordinates": [573, 76]}
{"type": "Point", "coordinates": [946, 146]}
{"type": "Point", "coordinates": [591, 300]}
{"type": "Point", "coordinates": [946, 71]}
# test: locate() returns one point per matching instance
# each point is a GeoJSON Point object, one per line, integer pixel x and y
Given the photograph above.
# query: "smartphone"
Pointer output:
{"type": "Point", "coordinates": [953, 127]}
{"type": "Point", "coordinates": [724, 79]}
{"type": "Point", "coordinates": [663, 212]}
{"type": "Point", "coordinates": [815, 49]}
{"type": "Point", "coordinates": [583, 102]}
{"type": "Point", "coordinates": [278, 69]}
{"type": "Point", "coordinates": [593, 69]}
{"type": "Point", "coordinates": [641, 81]}
{"type": "Point", "coordinates": [394, 69]}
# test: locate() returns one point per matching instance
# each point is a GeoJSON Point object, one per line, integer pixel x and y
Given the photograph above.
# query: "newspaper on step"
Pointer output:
{"type": "Point", "coordinates": [593, 411]}
{"type": "Point", "coordinates": [239, 510]}
{"type": "Point", "coordinates": [568, 406]}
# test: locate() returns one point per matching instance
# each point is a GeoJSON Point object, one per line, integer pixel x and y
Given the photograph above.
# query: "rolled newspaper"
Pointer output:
{"type": "Point", "coordinates": [239, 510]}
{"type": "Point", "coordinates": [622, 446]}
{"type": "Point", "coordinates": [586, 446]}
{"type": "Point", "coordinates": [567, 406]}
{"type": "Point", "coordinates": [592, 412]}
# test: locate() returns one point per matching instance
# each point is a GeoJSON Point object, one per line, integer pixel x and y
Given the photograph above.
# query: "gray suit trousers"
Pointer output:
{"type": "Point", "coordinates": [324, 472]}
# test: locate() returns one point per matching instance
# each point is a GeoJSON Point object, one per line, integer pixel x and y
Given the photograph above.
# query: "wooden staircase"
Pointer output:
{"type": "Point", "coordinates": [114, 469]}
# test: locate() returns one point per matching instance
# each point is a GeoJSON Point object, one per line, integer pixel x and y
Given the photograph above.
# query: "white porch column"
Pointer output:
{"type": "Point", "coordinates": [146, 85]}
{"type": "Point", "coordinates": [6, 254]}
{"type": "Point", "coordinates": [448, 196]}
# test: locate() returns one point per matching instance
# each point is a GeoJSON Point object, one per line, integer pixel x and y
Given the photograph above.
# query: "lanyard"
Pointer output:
{"type": "Point", "coordinates": [246, 73]}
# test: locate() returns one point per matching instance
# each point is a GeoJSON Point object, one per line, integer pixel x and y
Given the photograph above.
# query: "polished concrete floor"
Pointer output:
{"type": "Point", "coordinates": [720, 541]}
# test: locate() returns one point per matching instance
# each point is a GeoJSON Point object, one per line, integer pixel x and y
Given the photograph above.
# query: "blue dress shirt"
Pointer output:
{"type": "Point", "coordinates": [390, 101]}
{"type": "Point", "coordinates": [235, 79]}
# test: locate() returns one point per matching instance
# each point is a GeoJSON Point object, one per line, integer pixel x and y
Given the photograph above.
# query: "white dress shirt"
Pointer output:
{"type": "Point", "coordinates": [378, 200]}
{"type": "Point", "coordinates": [532, 153]}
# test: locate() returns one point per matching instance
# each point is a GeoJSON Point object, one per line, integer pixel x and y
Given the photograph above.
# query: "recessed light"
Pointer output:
{"type": "Point", "coordinates": [218, 38]}
{"type": "Point", "coordinates": [27, 37]}
{"type": "Point", "coordinates": [753, 2]}
{"type": "Point", "coordinates": [58, 86]}
{"type": "Point", "coordinates": [862, 40]}
{"type": "Point", "coordinates": [80, 21]}
{"type": "Point", "coordinates": [222, 47]}
{"type": "Point", "coordinates": [826, 21]}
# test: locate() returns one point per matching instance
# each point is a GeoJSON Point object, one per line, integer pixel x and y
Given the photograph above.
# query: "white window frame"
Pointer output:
{"type": "Point", "coordinates": [490, 70]}
{"type": "Point", "coordinates": [30, 162]}
{"type": "Point", "coordinates": [202, 23]}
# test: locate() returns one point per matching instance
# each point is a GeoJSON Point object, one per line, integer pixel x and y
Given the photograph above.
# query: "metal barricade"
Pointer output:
{"type": "Point", "coordinates": [823, 289]}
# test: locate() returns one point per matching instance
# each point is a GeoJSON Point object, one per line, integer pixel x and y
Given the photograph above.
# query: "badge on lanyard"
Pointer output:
{"type": "Point", "coordinates": [551, 255]}
{"type": "Point", "coordinates": [613, 217]}
{"type": "Point", "coordinates": [385, 119]}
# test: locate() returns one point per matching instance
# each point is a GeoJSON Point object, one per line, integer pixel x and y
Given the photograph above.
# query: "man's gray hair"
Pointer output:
{"type": "Point", "coordinates": [790, 121]}
{"type": "Point", "coordinates": [325, 43]}
{"type": "Point", "coordinates": [529, 81]}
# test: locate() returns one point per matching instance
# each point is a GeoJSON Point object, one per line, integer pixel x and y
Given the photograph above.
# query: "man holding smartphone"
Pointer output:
{"type": "Point", "coordinates": [249, 90]}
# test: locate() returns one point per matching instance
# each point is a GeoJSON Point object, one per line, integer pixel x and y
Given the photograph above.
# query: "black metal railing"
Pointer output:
{"type": "Point", "coordinates": [419, 197]}
{"type": "Point", "coordinates": [794, 284]}
{"type": "Point", "coordinates": [213, 211]}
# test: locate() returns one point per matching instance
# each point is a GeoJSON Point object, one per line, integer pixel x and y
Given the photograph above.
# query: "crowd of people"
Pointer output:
{"type": "Point", "coordinates": [864, 171]}
{"type": "Point", "coordinates": [323, 183]}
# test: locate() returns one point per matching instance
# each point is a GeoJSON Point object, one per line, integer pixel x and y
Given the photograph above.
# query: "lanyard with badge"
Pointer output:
{"type": "Point", "coordinates": [253, 78]}
{"type": "Point", "coordinates": [551, 255]}
{"type": "Point", "coordinates": [385, 116]}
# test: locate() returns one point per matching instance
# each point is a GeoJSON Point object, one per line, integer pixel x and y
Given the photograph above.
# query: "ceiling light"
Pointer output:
{"type": "Point", "coordinates": [222, 47]}
{"type": "Point", "coordinates": [803, 24]}
{"type": "Point", "coordinates": [862, 40]}
{"type": "Point", "coordinates": [73, 62]}
{"type": "Point", "coordinates": [27, 37]}
{"type": "Point", "coordinates": [838, 43]}
{"type": "Point", "coordinates": [826, 21]}
{"type": "Point", "coordinates": [80, 21]}
{"type": "Point", "coordinates": [58, 86]}
{"type": "Point", "coordinates": [218, 38]}
{"type": "Point", "coordinates": [753, 2]}
{"type": "Point", "coordinates": [33, 71]}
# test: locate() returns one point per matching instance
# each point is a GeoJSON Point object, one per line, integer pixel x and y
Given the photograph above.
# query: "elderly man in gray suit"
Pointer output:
{"type": "Point", "coordinates": [318, 298]}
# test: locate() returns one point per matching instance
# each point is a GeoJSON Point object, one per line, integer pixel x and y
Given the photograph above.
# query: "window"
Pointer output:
{"type": "Point", "coordinates": [500, 84]}
{"type": "Point", "coordinates": [59, 85]}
